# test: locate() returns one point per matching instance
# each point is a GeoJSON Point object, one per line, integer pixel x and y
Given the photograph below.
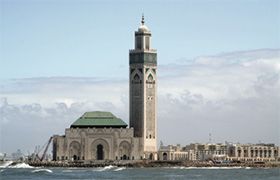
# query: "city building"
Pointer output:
{"type": "Point", "coordinates": [100, 135]}
{"type": "Point", "coordinates": [253, 152]}
{"type": "Point", "coordinates": [175, 153]}
{"type": "Point", "coordinates": [208, 151]}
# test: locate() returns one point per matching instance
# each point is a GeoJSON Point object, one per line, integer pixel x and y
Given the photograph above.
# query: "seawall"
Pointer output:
{"type": "Point", "coordinates": [149, 164]}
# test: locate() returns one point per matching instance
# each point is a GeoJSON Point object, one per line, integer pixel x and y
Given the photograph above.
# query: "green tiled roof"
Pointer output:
{"type": "Point", "coordinates": [99, 119]}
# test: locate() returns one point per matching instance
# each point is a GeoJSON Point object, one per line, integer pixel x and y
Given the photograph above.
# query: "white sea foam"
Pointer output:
{"type": "Point", "coordinates": [42, 170]}
{"type": "Point", "coordinates": [109, 167]}
{"type": "Point", "coordinates": [6, 164]}
{"type": "Point", "coordinates": [120, 169]}
{"type": "Point", "coordinates": [21, 165]}
{"type": "Point", "coordinates": [1, 170]}
{"type": "Point", "coordinates": [177, 167]}
{"type": "Point", "coordinates": [105, 168]}
{"type": "Point", "coordinates": [190, 167]}
{"type": "Point", "coordinates": [210, 168]}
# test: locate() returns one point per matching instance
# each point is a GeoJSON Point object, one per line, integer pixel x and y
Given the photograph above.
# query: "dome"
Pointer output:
{"type": "Point", "coordinates": [142, 28]}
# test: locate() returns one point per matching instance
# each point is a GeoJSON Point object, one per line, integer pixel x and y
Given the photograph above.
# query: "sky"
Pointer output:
{"type": "Point", "coordinates": [218, 67]}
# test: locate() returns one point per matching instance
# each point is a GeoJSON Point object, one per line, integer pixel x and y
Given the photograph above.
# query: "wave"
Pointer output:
{"type": "Point", "coordinates": [106, 168]}
{"type": "Point", "coordinates": [20, 165]}
{"type": "Point", "coordinates": [191, 168]}
{"type": "Point", "coordinates": [6, 164]}
{"type": "Point", "coordinates": [42, 170]}
{"type": "Point", "coordinates": [120, 169]}
{"type": "Point", "coordinates": [109, 167]}
{"type": "Point", "coordinates": [178, 167]}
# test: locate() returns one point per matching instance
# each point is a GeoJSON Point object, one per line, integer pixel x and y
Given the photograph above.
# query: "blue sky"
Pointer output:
{"type": "Point", "coordinates": [68, 38]}
{"type": "Point", "coordinates": [218, 64]}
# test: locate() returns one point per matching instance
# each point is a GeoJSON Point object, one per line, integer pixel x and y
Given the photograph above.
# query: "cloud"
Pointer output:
{"type": "Point", "coordinates": [64, 89]}
{"type": "Point", "coordinates": [234, 96]}
{"type": "Point", "coordinates": [46, 106]}
{"type": "Point", "coordinates": [25, 126]}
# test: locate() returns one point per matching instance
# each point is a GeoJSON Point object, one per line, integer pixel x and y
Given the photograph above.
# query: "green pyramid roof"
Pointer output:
{"type": "Point", "coordinates": [98, 119]}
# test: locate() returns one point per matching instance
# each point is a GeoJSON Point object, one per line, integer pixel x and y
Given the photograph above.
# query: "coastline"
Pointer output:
{"type": "Point", "coordinates": [147, 164]}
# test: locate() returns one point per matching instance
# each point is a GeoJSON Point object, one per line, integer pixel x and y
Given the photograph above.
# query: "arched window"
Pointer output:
{"type": "Point", "coordinates": [136, 77]}
{"type": "Point", "coordinates": [150, 77]}
{"type": "Point", "coordinates": [139, 43]}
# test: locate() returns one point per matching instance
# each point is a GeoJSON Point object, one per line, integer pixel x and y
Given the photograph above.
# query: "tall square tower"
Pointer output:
{"type": "Point", "coordinates": [143, 91]}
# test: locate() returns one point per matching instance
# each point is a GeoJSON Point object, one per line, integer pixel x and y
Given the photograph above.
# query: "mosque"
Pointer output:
{"type": "Point", "coordinates": [101, 135]}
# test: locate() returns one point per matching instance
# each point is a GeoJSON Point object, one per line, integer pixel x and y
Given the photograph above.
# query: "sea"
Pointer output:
{"type": "Point", "coordinates": [24, 171]}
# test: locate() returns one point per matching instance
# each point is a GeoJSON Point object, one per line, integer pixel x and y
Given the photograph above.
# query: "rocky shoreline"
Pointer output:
{"type": "Point", "coordinates": [151, 164]}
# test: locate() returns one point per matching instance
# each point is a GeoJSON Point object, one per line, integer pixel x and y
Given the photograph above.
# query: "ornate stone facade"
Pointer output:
{"type": "Point", "coordinates": [97, 144]}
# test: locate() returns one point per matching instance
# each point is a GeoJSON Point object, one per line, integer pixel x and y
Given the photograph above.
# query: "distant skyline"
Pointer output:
{"type": "Point", "coordinates": [218, 67]}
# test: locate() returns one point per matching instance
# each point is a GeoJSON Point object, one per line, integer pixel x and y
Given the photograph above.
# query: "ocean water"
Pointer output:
{"type": "Point", "coordinates": [24, 171]}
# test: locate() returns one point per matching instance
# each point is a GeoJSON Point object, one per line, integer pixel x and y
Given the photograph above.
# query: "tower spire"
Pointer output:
{"type": "Point", "coordinates": [142, 19]}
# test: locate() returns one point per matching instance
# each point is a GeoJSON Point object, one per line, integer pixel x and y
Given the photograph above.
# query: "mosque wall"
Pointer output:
{"type": "Point", "coordinates": [97, 144]}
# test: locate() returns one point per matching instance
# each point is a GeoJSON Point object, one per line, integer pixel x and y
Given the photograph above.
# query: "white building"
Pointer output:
{"type": "Point", "coordinates": [175, 153]}
{"type": "Point", "coordinates": [253, 152]}
{"type": "Point", "coordinates": [204, 151]}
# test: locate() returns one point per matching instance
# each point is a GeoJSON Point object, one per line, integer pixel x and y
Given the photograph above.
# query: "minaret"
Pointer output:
{"type": "Point", "coordinates": [143, 91]}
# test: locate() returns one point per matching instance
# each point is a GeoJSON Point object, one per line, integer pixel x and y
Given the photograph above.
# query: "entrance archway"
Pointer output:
{"type": "Point", "coordinates": [124, 157]}
{"type": "Point", "coordinates": [100, 149]}
{"type": "Point", "coordinates": [100, 152]}
{"type": "Point", "coordinates": [124, 150]}
{"type": "Point", "coordinates": [75, 150]}
{"type": "Point", "coordinates": [164, 156]}
{"type": "Point", "coordinates": [151, 157]}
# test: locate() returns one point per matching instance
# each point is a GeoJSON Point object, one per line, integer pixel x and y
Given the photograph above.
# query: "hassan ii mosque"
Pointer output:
{"type": "Point", "coordinates": [100, 135]}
